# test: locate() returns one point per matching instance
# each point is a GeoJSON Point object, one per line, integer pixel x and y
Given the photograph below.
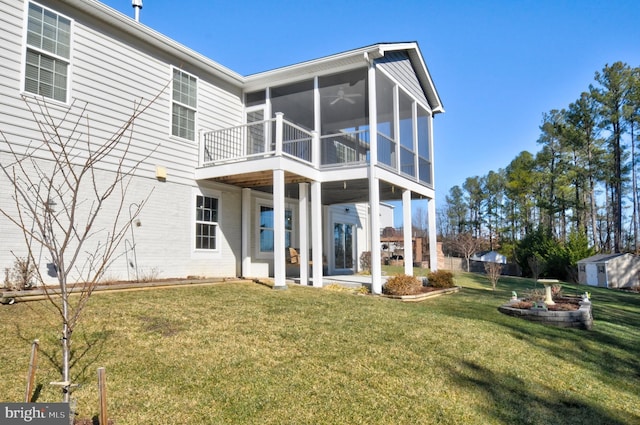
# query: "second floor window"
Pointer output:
{"type": "Point", "coordinates": [48, 53]}
{"type": "Point", "coordinates": [183, 115]}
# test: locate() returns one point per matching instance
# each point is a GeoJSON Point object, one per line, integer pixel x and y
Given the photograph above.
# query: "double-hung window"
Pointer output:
{"type": "Point", "coordinates": [48, 53]}
{"type": "Point", "coordinates": [206, 222]}
{"type": "Point", "coordinates": [183, 117]}
{"type": "Point", "coordinates": [267, 229]}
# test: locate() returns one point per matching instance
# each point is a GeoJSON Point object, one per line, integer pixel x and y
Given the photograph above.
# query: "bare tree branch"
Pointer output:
{"type": "Point", "coordinates": [62, 187]}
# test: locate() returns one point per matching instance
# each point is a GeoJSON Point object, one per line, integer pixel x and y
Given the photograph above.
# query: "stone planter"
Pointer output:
{"type": "Point", "coordinates": [581, 318]}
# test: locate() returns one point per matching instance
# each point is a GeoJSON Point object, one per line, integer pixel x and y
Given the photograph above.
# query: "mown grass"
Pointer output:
{"type": "Point", "coordinates": [242, 353]}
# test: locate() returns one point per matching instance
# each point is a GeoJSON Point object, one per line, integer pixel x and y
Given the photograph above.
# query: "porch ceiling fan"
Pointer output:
{"type": "Point", "coordinates": [341, 95]}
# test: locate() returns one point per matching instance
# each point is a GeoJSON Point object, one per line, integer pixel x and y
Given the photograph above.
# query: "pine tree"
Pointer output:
{"type": "Point", "coordinates": [611, 95]}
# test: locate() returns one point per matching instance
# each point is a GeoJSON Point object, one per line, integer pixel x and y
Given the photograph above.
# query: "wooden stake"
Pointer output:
{"type": "Point", "coordinates": [102, 390]}
{"type": "Point", "coordinates": [31, 374]}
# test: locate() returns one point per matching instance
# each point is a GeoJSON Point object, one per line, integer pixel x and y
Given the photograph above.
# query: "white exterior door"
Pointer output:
{"type": "Point", "coordinates": [343, 247]}
{"type": "Point", "coordinates": [592, 274]}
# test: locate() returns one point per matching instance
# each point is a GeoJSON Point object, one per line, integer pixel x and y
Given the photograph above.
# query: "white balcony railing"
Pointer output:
{"type": "Point", "coordinates": [344, 148]}
{"type": "Point", "coordinates": [279, 137]}
{"type": "Point", "coordinates": [257, 139]}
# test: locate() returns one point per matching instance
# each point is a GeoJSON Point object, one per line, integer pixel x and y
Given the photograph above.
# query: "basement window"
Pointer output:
{"type": "Point", "coordinates": [206, 222]}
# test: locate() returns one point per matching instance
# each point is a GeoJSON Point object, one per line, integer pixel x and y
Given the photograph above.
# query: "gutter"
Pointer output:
{"type": "Point", "coordinates": [141, 32]}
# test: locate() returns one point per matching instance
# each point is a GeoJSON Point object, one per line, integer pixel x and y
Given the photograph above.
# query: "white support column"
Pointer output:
{"type": "Point", "coordinates": [303, 232]}
{"type": "Point", "coordinates": [246, 232]}
{"type": "Point", "coordinates": [316, 232]}
{"type": "Point", "coordinates": [279, 258]}
{"type": "Point", "coordinates": [433, 240]}
{"type": "Point", "coordinates": [407, 232]}
{"type": "Point", "coordinates": [374, 223]}
{"type": "Point", "coordinates": [374, 186]}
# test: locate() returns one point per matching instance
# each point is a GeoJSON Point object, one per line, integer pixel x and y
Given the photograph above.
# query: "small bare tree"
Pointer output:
{"type": "Point", "coordinates": [493, 271]}
{"type": "Point", "coordinates": [59, 190]}
{"type": "Point", "coordinates": [467, 245]}
{"type": "Point", "coordinates": [537, 265]}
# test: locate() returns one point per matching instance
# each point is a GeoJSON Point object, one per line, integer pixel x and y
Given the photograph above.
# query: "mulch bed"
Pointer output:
{"type": "Point", "coordinates": [427, 289]}
{"type": "Point", "coordinates": [561, 304]}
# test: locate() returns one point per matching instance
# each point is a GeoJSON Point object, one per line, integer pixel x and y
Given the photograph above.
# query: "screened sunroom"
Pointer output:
{"type": "Point", "coordinates": [350, 128]}
{"type": "Point", "coordinates": [332, 111]}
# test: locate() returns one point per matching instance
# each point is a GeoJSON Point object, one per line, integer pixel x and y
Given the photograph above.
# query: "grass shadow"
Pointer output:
{"type": "Point", "coordinates": [86, 351]}
{"type": "Point", "coordinates": [514, 400]}
{"type": "Point", "coordinates": [609, 350]}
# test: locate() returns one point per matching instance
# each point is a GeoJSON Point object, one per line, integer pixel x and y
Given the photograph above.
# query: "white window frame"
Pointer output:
{"type": "Point", "coordinates": [194, 222]}
{"type": "Point", "coordinates": [179, 103]}
{"type": "Point", "coordinates": [46, 53]}
{"type": "Point", "coordinates": [259, 205]}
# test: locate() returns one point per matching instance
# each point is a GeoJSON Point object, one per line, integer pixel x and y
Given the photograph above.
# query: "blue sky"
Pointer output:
{"type": "Point", "coordinates": [498, 65]}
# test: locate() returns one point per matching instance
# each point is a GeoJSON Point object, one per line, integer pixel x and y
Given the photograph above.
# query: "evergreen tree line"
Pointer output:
{"type": "Point", "coordinates": [582, 185]}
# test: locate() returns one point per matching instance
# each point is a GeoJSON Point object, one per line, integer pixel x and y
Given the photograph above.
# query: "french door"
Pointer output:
{"type": "Point", "coordinates": [343, 246]}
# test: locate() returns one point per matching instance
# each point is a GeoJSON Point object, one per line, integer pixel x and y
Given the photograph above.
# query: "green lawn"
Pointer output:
{"type": "Point", "coordinates": [242, 353]}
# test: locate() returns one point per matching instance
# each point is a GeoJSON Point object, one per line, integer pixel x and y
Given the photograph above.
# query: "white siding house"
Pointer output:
{"type": "Point", "coordinates": [239, 168]}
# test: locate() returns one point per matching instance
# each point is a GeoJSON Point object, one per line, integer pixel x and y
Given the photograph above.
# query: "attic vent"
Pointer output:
{"type": "Point", "coordinates": [137, 7]}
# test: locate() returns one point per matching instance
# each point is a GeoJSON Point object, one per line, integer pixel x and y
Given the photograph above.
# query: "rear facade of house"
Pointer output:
{"type": "Point", "coordinates": [237, 169]}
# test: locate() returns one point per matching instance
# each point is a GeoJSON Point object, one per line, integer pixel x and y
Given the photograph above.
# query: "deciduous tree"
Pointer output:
{"type": "Point", "coordinates": [69, 191]}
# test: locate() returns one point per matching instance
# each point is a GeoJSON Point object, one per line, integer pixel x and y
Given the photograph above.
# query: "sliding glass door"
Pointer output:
{"type": "Point", "coordinates": [343, 246]}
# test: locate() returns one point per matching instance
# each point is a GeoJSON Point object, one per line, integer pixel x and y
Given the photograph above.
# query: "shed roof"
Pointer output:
{"type": "Point", "coordinates": [602, 258]}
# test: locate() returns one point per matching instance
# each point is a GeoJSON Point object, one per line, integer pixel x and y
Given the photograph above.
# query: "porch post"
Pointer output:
{"type": "Point", "coordinates": [279, 258]}
{"type": "Point", "coordinates": [433, 249]}
{"type": "Point", "coordinates": [316, 232]}
{"type": "Point", "coordinates": [374, 186]}
{"type": "Point", "coordinates": [279, 132]}
{"type": "Point", "coordinates": [303, 231]}
{"type": "Point", "coordinates": [315, 149]}
{"type": "Point", "coordinates": [246, 232]}
{"type": "Point", "coordinates": [374, 220]}
{"type": "Point", "coordinates": [407, 233]}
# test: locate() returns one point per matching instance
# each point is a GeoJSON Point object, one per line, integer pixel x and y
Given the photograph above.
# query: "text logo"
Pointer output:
{"type": "Point", "coordinates": [34, 413]}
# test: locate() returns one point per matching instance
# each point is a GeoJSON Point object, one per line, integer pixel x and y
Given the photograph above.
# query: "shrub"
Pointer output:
{"type": "Point", "coordinates": [365, 261]}
{"type": "Point", "coordinates": [535, 294]}
{"type": "Point", "coordinates": [441, 279]}
{"type": "Point", "coordinates": [402, 284]}
{"type": "Point", "coordinates": [21, 275]}
{"type": "Point", "coordinates": [336, 287]}
{"type": "Point", "coordinates": [362, 290]}
{"type": "Point", "coordinates": [556, 290]}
